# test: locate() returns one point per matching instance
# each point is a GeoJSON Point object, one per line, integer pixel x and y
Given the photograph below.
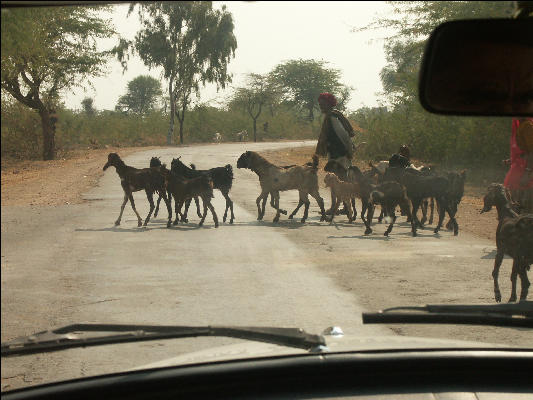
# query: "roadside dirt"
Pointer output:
{"type": "Point", "coordinates": [468, 216]}
{"type": "Point", "coordinates": [56, 182]}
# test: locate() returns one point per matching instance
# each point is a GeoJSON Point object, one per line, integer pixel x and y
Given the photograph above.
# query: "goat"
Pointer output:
{"type": "Point", "coordinates": [134, 179]}
{"type": "Point", "coordinates": [217, 137]}
{"type": "Point", "coordinates": [274, 179]}
{"type": "Point", "coordinates": [389, 194]}
{"type": "Point", "coordinates": [514, 236]}
{"type": "Point", "coordinates": [350, 175]}
{"type": "Point", "coordinates": [185, 189]}
{"type": "Point", "coordinates": [342, 191]}
{"type": "Point", "coordinates": [222, 180]}
{"type": "Point", "coordinates": [420, 187]}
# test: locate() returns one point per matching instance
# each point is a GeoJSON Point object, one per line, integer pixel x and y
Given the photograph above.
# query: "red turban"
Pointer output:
{"type": "Point", "coordinates": [328, 98]}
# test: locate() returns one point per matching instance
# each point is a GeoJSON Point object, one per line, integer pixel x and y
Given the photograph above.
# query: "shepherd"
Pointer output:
{"type": "Point", "coordinates": [335, 140]}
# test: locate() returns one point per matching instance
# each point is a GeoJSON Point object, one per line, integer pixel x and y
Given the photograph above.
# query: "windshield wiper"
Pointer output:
{"type": "Point", "coordinates": [514, 314]}
{"type": "Point", "coordinates": [76, 336]}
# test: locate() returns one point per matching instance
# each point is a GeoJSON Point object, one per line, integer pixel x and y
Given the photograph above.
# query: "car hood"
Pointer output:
{"type": "Point", "coordinates": [335, 344]}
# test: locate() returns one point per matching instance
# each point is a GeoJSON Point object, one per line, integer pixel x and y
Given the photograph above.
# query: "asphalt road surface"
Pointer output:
{"type": "Point", "coordinates": [70, 264]}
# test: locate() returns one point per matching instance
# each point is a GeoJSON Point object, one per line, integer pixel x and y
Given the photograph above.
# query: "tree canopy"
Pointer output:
{"type": "Point", "coordinates": [142, 96]}
{"type": "Point", "coordinates": [191, 41]}
{"type": "Point", "coordinates": [258, 93]}
{"type": "Point", "coordinates": [48, 50]}
{"type": "Point", "coordinates": [303, 80]}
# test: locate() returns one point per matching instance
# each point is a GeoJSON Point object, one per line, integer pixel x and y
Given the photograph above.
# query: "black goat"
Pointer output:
{"type": "Point", "coordinates": [389, 195]}
{"type": "Point", "coordinates": [132, 180]}
{"type": "Point", "coordinates": [184, 189]}
{"type": "Point", "coordinates": [420, 187]}
{"type": "Point", "coordinates": [514, 236]}
{"type": "Point", "coordinates": [222, 180]}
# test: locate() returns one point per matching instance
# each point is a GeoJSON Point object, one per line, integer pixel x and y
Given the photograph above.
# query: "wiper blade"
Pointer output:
{"type": "Point", "coordinates": [72, 336]}
{"type": "Point", "coordinates": [513, 314]}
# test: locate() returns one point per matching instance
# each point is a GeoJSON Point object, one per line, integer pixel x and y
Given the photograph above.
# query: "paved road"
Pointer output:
{"type": "Point", "coordinates": [70, 264]}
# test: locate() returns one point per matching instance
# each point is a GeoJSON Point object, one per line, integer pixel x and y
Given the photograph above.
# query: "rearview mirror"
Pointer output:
{"type": "Point", "coordinates": [479, 67]}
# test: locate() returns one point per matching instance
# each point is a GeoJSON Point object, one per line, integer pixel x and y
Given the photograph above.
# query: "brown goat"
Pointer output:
{"type": "Point", "coordinates": [342, 192]}
{"type": "Point", "coordinates": [183, 189]}
{"type": "Point", "coordinates": [134, 179]}
{"type": "Point", "coordinates": [274, 179]}
{"type": "Point", "coordinates": [514, 236]}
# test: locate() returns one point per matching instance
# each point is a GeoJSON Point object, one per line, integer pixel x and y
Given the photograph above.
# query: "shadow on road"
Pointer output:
{"type": "Point", "coordinates": [491, 255]}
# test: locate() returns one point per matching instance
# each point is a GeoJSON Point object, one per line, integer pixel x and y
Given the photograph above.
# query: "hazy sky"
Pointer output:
{"type": "Point", "coordinates": [269, 33]}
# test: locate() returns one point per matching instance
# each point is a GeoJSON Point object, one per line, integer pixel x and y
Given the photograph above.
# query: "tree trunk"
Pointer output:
{"type": "Point", "coordinates": [170, 134]}
{"type": "Point", "coordinates": [48, 127]}
{"type": "Point", "coordinates": [255, 129]}
{"type": "Point", "coordinates": [181, 120]}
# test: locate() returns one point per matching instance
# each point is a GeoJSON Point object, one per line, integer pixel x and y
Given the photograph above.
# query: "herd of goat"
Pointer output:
{"type": "Point", "coordinates": [409, 188]}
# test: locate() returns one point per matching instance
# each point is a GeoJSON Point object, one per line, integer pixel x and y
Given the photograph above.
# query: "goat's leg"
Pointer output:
{"type": "Point", "coordinates": [126, 197]}
{"type": "Point", "coordinates": [369, 217]}
{"type": "Point", "coordinates": [177, 208]}
{"type": "Point", "coordinates": [261, 211]}
{"type": "Point", "coordinates": [522, 272]}
{"type": "Point", "coordinates": [334, 210]}
{"type": "Point", "coordinates": [452, 210]}
{"type": "Point", "coordinates": [381, 215]}
{"type": "Point", "coordinates": [495, 272]}
{"type": "Point", "coordinates": [169, 207]}
{"type": "Point", "coordinates": [416, 205]}
{"type": "Point", "coordinates": [213, 213]}
{"type": "Point", "coordinates": [184, 214]}
{"type": "Point", "coordinates": [514, 275]}
{"type": "Point", "coordinates": [273, 205]}
{"type": "Point", "coordinates": [305, 199]}
{"type": "Point", "coordinates": [351, 204]}
{"type": "Point", "coordinates": [315, 194]}
{"type": "Point", "coordinates": [432, 207]}
{"type": "Point", "coordinates": [197, 202]}
{"type": "Point", "coordinates": [229, 205]}
{"type": "Point", "coordinates": [424, 208]}
{"type": "Point", "coordinates": [150, 196]}
{"type": "Point", "coordinates": [300, 203]}
{"type": "Point", "coordinates": [410, 217]}
{"type": "Point", "coordinates": [391, 213]}
{"type": "Point", "coordinates": [276, 202]}
{"type": "Point", "coordinates": [139, 219]}
{"type": "Point", "coordinates": [441, 204]}
{"type": "Point", "coordinates": [204, 214]}
{"type": "Point", "coordinates": [157, 205]}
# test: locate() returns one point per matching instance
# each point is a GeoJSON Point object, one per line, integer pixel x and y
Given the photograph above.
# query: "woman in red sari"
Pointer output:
{"type": "Point", "coordinates": [519, 179]}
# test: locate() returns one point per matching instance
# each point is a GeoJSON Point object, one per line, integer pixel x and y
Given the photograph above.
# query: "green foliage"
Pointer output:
{"type": "Point", "coordinates": [142, 95]}
{"type": "Point", "coordinates": [433, 138]}
{"type": "Point", "coordinates": [47, 50]}
{"type": "Point", "coordinates": [303, 80]}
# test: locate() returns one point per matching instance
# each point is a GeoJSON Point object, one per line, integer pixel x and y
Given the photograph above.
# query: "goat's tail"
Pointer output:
{"type": "Point", "coordinates": [193, 166]}
{"type": "Point", "coordinates": [229, 169]}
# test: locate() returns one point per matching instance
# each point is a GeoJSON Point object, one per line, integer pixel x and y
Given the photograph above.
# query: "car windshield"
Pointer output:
{"type": "Point", "coordinates": [245, 164]}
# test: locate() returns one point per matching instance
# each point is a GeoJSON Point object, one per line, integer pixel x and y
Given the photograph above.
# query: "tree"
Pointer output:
{"type": "Point", "coordinates": [142, 95]}
{"type": "Point", "coordinates": [303, 80]}
{"type": "Point", "coordinates": [46, 51]}
{"type": "Point", "coordinates": [191, 42]}
{"type": "Point", "coordinates": [258, 93]}
{"type": "Point", "coordinates": [88, 106]}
